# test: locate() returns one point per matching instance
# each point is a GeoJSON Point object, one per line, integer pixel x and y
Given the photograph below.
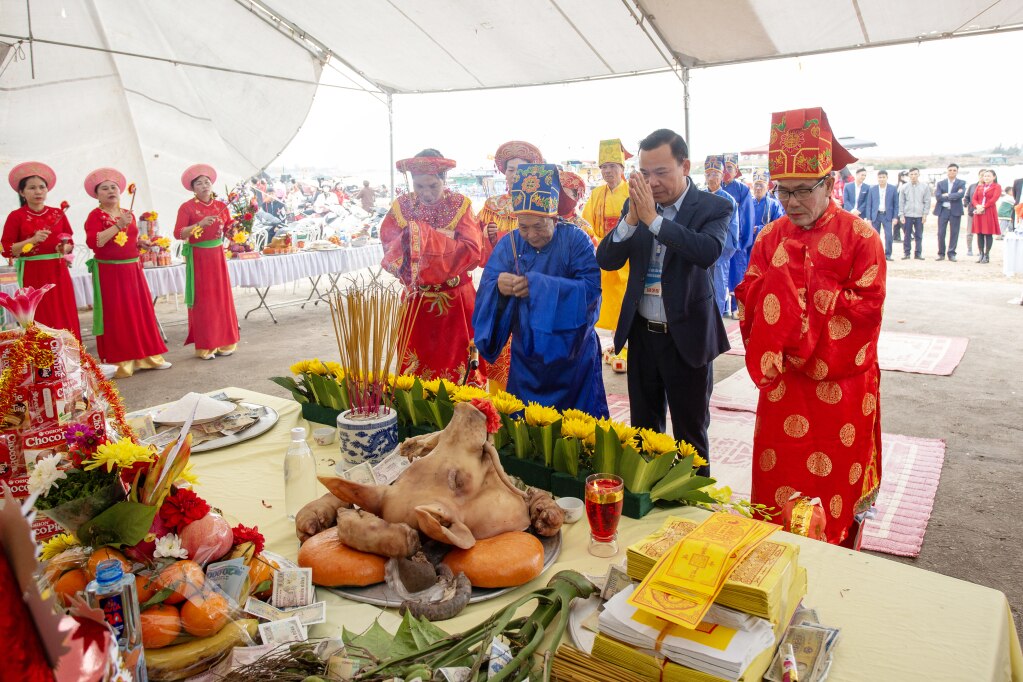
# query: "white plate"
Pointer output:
{"type": "Point", "coordinates": [212, 410]}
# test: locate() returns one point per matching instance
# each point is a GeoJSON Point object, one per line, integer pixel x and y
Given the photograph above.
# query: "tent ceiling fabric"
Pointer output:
{"type": "Point", "coordinates": [150, 119]}
{"type": "Point", "coordinates": [409, 46]}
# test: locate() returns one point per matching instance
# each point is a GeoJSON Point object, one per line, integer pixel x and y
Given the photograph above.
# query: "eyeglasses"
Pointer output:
{"type": "Point", "coordinates": [803, 194]}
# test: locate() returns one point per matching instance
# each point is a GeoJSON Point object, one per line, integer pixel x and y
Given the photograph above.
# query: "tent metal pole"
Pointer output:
{"type": "Point", "coordinates": [685, 102]}
{"type": "Point", "coordinates": [390, 137]}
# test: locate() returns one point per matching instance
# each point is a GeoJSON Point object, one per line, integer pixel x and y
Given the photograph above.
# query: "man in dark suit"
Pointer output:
{"type": "Point", "coordinates": [856, 196]}
{"type": "Point", "coordinates": [670, 234]}
{"type": "Point", "coordinates": [948, 206]}
{"type": "Point", "coordinates": [884, 206]}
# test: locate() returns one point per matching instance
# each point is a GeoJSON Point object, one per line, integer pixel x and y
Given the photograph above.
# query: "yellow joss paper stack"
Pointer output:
{"type": "Point", "coordinates": [758, 583]}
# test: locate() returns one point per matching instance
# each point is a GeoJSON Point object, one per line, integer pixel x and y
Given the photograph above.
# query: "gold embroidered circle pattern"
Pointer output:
{"type": "Point", "coordinates": [753, 270]}
{"type": "Point", "coordinates": [868, 277]}
{"type": "Point", "coordinates": [777, 393]}
{"type": "Point", "coordinates": [822, 300]}
{"type": "Point", "coordinates": [830, 246]}
{"type": "Point", "coordinates": [781, 256]}
{"type": "Point", "coordinates": [766, 229]}
{"type": "Point", "coordinates": [820, 370]}
{"type": "Point", "coordinates": [819, 464]}
{"type": "Point", "coordinates": [861, 354]}
{"type": "Point", "coordinates": [869, 403]}
{"type": "Point", "coordinates": [839, 327]}
{"type": "Point", "coordinates": [742, 311]}
{"type": "Point", "coordinates": [836, 506]}
{"type": "Point", "coordinates": [847, 434]}
{"type": "Point", "coordinates": [768, 458]}
{"type": "Point", "coordinates": [772, 309]}
{"type": "Point", "coordinates": [855, 471]}
{"type": "Point", "coordinates": [796, 425]}
{"type": "Point", "coordinates": [769, 360]}
{"type": "Point", "coordinates": [829, 392]}
{"type": "Point", "coordinates": [782, 495]}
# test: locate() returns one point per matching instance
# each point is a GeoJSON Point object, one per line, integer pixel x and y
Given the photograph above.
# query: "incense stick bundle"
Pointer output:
{"type": "Point", "coordinates": [372, 324]}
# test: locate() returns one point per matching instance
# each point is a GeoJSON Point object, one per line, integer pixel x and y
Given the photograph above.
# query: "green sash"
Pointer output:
{"type": "Point", "coordinates": [19, 264]}
{"type": "Point", "coordinates": [97, 295]}
{"type": "Point", "coordinates": [186, 251]}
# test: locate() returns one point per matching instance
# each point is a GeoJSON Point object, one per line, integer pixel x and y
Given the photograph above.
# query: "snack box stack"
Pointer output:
{"type": "Point", "coordinates": [46, 401]}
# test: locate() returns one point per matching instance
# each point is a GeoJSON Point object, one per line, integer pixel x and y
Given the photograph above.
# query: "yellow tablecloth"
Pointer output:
{"type": "Point", "coordinates": [898, 622]}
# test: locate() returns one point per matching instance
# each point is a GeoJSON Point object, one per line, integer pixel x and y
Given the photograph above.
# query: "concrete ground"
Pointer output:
{"type": "Point", "coordinates": [977, 410]}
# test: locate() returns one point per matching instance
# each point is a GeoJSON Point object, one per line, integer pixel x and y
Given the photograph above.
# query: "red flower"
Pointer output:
{"type": "Point", "coordinates": [247, 216]}
{"type": "Point", "coordinates": [488, 409]}
{"type": "Point", "coordinates": [243, 534]}
{"type": "Point", "coordinates": [181, 508]}
{"type": "Point", "coordinates": [128, 474]}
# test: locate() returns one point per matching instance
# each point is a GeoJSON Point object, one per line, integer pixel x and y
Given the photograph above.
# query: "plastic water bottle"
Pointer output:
{"type": "Point", "coordinates": [114, 593]}
{"type": "Point", "coordinates": [299, 474]}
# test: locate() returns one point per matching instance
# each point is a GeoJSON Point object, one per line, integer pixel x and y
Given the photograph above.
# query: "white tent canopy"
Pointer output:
{"type": "Point", "coordinates": [152, 86]}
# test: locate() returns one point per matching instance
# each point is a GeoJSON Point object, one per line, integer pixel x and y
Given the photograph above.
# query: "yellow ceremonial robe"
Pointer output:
{"type": "Point", "coordinates": [602, 211]}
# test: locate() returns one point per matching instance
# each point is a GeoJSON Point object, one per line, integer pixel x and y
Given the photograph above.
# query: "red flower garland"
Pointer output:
{"type": "Point", "coordinates": [182, 508]}
{"type": "Point", "coordinates": [243, 534]}
{"type": "Point", "coordinates": [488, 409]}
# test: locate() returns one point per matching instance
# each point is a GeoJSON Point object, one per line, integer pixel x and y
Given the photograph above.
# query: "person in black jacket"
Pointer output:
{"type": "Point", "coordinates": [670, 234]}
{"type": "Point", "coordinates": [969, 213]}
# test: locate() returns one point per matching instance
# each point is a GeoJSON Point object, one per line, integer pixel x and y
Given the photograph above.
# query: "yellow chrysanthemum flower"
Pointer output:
{"type": "Point", "coordinates": [572, 413]}
{"type": "Point", "coordinates": [57, 545]}
{"type": "Point", "coordinates": [699, 461]}
{"type": "Point", "coordinates": [539, 415]}
{"type": "Point", "coordinates": [300, 367]}
{"type": "Point", "coordinates": [506, 403]}
{"type": "Point", "coordinates": [685, 449]}
{"type": "Point", "coordinates": [466, 393]}
{"type": "Point", "coordinates": [577, 428]}
{"type": "Point", "coordinates": [404, 382]}
{"type": "Point", "coordinates": [433, 387]}
{"type": "Point", "coordinates": [121, 238]}
{"type": "Point", "coordinates": [334, 368]}
{"type": "Point", "coordinates": [625, 432]}
{"type": "Point", "coordinates": [188, 476]}
{"type": "Point", "coordinates": [121, 454]}
{"type": "Point", "coordinates": [240, 237]}
{"type": "Point", "coordinates": [654, 443]}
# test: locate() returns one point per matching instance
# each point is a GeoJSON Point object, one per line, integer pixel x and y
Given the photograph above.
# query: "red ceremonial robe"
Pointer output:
{"type": "Point", "coordinates": [810, 314]}
{"type": "Point", "coordinates": [57, 309]}
{"type": "Point", "coordinates": [130, 331]}
{"type": "Point", "coordinates": [212, 320]}
{"type": "Point", "coordinates": [432, 248]}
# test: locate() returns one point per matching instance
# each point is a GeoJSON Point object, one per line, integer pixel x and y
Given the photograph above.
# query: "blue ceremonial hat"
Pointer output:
{"type": "Point", "coordinates": [714, 162]}
{"type": "Point", "coordinates": [761, 175]}
{"type": "Point", "coordinates": [535, 189]}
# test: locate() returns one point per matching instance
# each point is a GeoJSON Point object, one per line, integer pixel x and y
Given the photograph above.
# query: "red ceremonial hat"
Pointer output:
{"type": "Point", "coordinates": [192, 172]}
{"type": "Point", "coordinates": [27, 170]}
{"type": "Point", "coordinates": [425, 165]}
{"type": "Point", "coordinates": [101, 175]}
{"type": "Point", "coordinates": [803, 146]}
{"type": "Point", "coordinates": [516, 149]}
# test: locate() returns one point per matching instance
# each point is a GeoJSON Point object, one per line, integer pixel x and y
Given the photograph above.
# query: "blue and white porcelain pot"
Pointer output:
{"type": "Point", "coordinates": [366, 439]}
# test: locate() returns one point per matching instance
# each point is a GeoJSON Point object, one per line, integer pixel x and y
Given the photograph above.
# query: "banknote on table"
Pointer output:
{"type": "Point", "coordinates": [247, 655]}
{"type": "Point", "coordinates": [390, 468]}
{"type": "Point", "coordinates": [803, 616]}
{"type": "Point", "coordinates": [308, 615]}
{"type": "Point", "coordinates": [341, 667]}
{"type": "Point", "coordinates": [229, 576]}
{"type": "Point", "coordinates": [277, 632]}
{"type": "Point", "coordinates": [260, 609]}
{"type": "Point", "coordinates": [462, 674]}
{"type": "Point", "coordinates": [615, 581]}
{"type": "Point", "coordinates": [292, 587]}
{"type": "Point", "coordinates": [326, 648]}
{"type": "Point", "coordinates": [831, 634]}
{"type": "Point", "coordinates": [361, 473]}
{"type": "Point", "coordinates": [809, 646]}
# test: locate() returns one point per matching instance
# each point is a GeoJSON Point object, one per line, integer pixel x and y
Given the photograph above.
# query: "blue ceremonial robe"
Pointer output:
{"type": "Point", "coordinates": [721, 267]}
{"type": "Point", "coordinates": [765, 210]}
{"type": "Point", "coordinates": [740, 259]}
{"type": "Point", "coordinates": [555, 353]}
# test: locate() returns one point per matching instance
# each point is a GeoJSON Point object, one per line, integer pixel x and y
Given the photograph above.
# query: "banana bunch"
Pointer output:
{"type": "Point", "coordinates": [198, 655]}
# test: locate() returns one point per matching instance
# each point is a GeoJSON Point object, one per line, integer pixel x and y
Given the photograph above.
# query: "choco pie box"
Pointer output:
{"type": "Point", "coordinates": [50, 439]}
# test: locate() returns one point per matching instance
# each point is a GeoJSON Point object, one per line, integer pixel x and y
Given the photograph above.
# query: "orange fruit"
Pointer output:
{"type": "Point", "coordinates": [261, 570]}
{"type": "Point", "coordinates": [69, 584]}
{"type": "Point", "coordinates": [205, 614]}
{"type": "Point", "coordinates": [161, 625]}
{"type": "Point", "coordinates": [146, 587]}
{"type": "Point", "coordinates": [184, 577]}
{"type": "Point", "coordinates": [102, 554]}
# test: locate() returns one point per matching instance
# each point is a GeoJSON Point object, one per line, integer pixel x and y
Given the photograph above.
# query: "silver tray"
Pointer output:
{"type": "Point", "coordinates": [264, 424]}
{"type": "Point", "coordinates": [382, 595]}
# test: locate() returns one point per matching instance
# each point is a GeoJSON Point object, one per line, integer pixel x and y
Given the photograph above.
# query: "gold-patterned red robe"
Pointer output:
{"type": "Point", "coordinates": [810, 311]}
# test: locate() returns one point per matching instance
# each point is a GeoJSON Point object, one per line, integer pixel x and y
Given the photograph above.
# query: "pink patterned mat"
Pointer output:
{"type": "Point", "coordinates": [909, 479]}
{"type": "Point", "coordinates": [898, 351]}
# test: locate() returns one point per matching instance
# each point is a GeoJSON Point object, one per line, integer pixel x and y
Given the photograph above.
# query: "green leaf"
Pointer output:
{"type": "Point", "coordinates": [289, 384]}
{"type": "Point", "coordinates": [543, 438]}
{"type": "Point", "coordinates": [263, 586]}
{"type": "Point", "coordinates": [639, 473]}
{"type": "Point", "coordinates": [674, 487]}
{"type": "Point", "coordinates": [157, 598]}
{"type": "Point", "coordinates": [414, 635]}
{"type": "Point", "coordinates": [607, 451]}
{"type": "Point", "coordinates": [696, 496]}
{"type": "Point", "coordinates": [404, 405]}
{"type": "Point", "coordinates": [566, 456]}
{"type": "Point", "coordinates": [375, 640]}
{"type": "Point", "coordinates": [126, 523]}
